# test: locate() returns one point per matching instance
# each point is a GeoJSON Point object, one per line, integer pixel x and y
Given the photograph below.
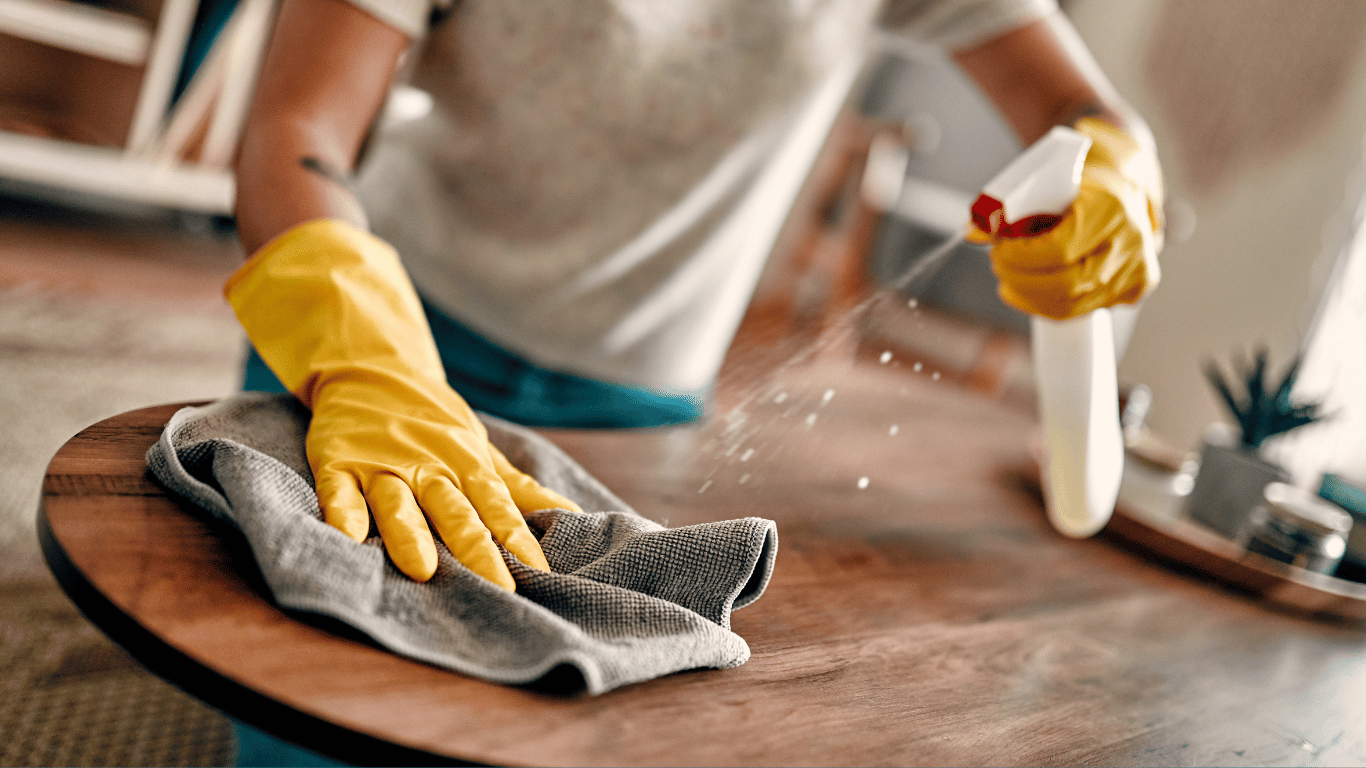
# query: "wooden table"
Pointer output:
{"type": "Point", "coordinates": [927, 615]}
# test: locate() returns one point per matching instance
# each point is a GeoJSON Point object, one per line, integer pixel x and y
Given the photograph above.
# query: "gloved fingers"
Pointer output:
{"type": "Point", "coordinates": [1059, 294]}
{"type": "Point", "coordinates": [1145, 244]}
{"type": "Point", "coordinates": [1157, 218]}
{"type": "Point", "coordinates": [462, 530]}
{"type": "Point", "coordinates": [527, 494]}
{"type": "Point", "coordinates": [402, 526]}
{"type": "Point", "coordinates": [1116, 271]}
{"type": "Point", "coordinates": [1055, 291]}
{"type": "Point", "coordinates": [1135, 276]}
{"type": "Point", "coordinates": [490, 496]}
{"type": "Point", "coordinates": [342, 503]}
{"type": "Point", "coordinates": [1050, 295]}
{"type": "Point", "coordinates": [1090, 222]}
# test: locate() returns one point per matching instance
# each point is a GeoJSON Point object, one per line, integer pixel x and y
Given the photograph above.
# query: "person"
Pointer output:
{"type": "Point", "coordinates": [569, 237]}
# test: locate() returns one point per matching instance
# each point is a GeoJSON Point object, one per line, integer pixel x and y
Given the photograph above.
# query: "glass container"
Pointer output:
{"type": "Point", "coordinates": [1297, 528]}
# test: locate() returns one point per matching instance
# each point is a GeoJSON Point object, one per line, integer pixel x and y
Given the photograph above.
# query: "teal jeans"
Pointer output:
{"type": "Point", "coordinates": [497, 382]}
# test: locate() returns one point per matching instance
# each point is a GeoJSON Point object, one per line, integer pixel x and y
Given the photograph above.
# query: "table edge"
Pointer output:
{"type": "Point", "coordinates": [213, 688]}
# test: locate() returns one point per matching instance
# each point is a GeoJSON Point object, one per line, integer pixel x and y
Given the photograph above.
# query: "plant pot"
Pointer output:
{"type": "Point", "coordinates": [1228, 487]}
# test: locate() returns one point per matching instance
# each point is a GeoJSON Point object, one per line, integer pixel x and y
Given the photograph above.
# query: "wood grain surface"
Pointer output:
{"type": "Point", "coordinates": [927, 615]}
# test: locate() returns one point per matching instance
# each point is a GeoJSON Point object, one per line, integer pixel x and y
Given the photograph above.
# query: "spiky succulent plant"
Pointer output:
{"type": "Point", "coordinates": [1263, 412]}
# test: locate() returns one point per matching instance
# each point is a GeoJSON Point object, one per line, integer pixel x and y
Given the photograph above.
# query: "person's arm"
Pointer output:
{"type": "Point", "coordinates": [1042, 75]}
{"type": "Point", "coordinates": [331, 310]}
{"type": "Point", "coordinates": [325, 77]}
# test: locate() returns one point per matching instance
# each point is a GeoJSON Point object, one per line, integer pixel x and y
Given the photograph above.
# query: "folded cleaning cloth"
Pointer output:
{"type": "Point", "coordinates": [628, 599]}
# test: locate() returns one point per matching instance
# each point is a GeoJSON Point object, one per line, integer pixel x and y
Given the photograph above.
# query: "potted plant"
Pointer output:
{"type": "Point", "coordinates": [1233, 472]}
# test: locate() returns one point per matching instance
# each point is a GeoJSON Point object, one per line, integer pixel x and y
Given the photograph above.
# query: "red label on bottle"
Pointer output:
{"type": "Point", "coordinates": [989, 214]}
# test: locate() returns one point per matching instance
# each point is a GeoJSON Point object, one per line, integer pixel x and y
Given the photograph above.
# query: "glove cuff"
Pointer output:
{"type": "Point", "coordinates": [1112, 147]}
{"type": "Point", "coordinates": [326, 295]}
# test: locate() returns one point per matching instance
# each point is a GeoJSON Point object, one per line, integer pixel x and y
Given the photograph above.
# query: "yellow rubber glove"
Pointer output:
{"type": "Point", "coordinates": [1104, 250]}
{"type": "Point", "coordinates": [331, 311]}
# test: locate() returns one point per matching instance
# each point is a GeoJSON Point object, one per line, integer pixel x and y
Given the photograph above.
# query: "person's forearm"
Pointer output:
{"type": "Point", "coordinates": [285, 176]}
{"type": "Point", "coordinates": [1042, 75]}
{"type": "Point", "coordinates": [324, 79]}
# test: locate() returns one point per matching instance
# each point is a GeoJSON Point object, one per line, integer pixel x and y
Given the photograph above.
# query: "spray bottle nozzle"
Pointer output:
{"type": "Point", "coordinates": [1030, 196]}
{"type": "Point", "coordinates": [989, 215]}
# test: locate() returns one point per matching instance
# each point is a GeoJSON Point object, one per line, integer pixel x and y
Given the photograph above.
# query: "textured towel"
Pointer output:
{"type": "Point", "coordinates": [628, 599]}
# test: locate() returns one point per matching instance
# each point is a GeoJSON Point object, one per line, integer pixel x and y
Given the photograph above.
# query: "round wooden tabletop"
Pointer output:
{"type": "Point", "coordinates": [921, 612]}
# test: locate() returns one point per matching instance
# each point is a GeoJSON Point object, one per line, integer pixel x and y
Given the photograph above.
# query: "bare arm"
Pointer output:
{"type": "Point", "coordinates": [326, 74]}
{"type": "Point", "coordinates": [1042, 75]}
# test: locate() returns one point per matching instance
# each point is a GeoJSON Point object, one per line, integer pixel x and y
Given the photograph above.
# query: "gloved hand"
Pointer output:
{"type": "Point", "coordinates": [331, 311]}
{"type": "Point", "coordinates": [1104, 250]}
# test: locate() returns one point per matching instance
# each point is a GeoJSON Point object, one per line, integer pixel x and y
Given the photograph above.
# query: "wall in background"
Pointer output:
{"type": "Point", "coordinates": [1336, 366]}
{"type": "Point", "coordinates": [1259, 107]}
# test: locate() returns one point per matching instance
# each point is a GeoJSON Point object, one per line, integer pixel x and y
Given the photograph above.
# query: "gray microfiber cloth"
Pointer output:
{"type": "Point", "coordinates": [628, 599]}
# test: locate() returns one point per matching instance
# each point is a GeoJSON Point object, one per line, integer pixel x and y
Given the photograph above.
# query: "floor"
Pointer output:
{"type": "Point", "coordinates": [106, 310]}
{"type": "Point", "coordinates": [100, 312]}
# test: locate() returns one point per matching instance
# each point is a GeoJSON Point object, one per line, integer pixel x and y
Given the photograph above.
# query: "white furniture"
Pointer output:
{"type": "Point", "coordinates": [152, 166]}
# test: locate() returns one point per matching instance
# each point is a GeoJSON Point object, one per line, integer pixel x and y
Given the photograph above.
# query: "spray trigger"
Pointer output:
{"type": "Point", "coordinates": [1030, 196]}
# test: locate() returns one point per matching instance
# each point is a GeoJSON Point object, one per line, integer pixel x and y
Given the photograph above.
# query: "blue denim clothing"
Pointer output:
{"type": "Point", "coordinates": [498, 382]}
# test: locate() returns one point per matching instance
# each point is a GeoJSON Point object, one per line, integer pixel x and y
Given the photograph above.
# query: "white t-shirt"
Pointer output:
{"type": "Point", "coordinates": [600, 182]}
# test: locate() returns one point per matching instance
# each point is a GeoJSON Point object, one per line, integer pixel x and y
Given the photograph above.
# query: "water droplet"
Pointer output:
{"type": "Point", "coordinates": [744, 478]}
{"type": "Point", "coordinates": [745, 456]}
{"type": "Point", "coordinates": [862, 483]}
{"type": "Point", "coordinates": [885, 358]}
{"type": "Point", "coordinates": [780, 398]}
{"type": "Point", "coordinates": [810, 420]}
{"type": "Point", "coordinates": [893, 430]}
{"type": "Point", "coordinates": [913, 303]}
{"type": "Point", "coordinates": [704, 487]}
{"type": "Point", "coordinates": [829, 393]}
{"type": "Point", "coordinates": [917, 367]}
{"type": "Point", "coordinates": [935, 376]}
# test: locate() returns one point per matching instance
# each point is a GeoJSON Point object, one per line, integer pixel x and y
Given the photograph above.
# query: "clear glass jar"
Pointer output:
{"type": "Point", "coordinates": [1297, 528]}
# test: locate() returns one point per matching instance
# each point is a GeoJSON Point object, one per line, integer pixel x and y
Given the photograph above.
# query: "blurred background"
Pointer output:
{"type": "Point", "coordinates": [1259, 110]}
{"type": "Point", "coordinates": [118, 121]}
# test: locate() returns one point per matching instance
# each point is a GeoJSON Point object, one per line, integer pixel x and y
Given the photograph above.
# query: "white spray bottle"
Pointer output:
{"type": "Point", "coordinates": [1074, 360]}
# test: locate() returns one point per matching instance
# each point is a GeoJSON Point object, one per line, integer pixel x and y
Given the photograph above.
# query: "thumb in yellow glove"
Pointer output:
{"type": "Point", "coordinates": [331, 311]}
{"type": "Point", "coordinates": [1104, 250]}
